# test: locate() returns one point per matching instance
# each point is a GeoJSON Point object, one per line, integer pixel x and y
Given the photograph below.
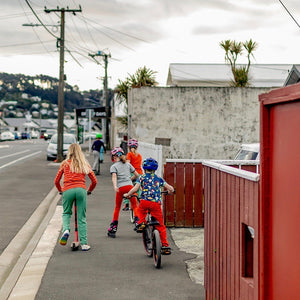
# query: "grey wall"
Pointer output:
{"type": "Point", "coordinates": [202, 122]}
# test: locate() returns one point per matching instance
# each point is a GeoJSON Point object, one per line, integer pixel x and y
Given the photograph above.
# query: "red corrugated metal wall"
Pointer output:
{"type": "Point", "coordinates": [231, 255]}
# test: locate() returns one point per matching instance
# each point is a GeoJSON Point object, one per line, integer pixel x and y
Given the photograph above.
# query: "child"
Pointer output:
{"type": "Point", "coordinates": [122, 183]}
{"type": "Point", "coordinates": [150, 185]}
{"type": "Point", "coordinates": [98, 149]}
{"type": "Point", "coordinates": [135, 159]}
{"type": "Point", "coordinates": [74, 168]}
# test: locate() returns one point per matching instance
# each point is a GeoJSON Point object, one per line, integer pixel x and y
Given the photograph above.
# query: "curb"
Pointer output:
{"type": "Point", "coordinates": [16, 254]}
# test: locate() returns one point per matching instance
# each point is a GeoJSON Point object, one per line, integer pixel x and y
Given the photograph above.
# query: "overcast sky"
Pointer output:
{"type": "Point", "coordinates": [137, 33]}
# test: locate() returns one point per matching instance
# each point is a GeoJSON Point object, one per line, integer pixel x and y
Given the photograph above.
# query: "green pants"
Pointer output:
{"type": "Point", "coordinates": [69, 196]}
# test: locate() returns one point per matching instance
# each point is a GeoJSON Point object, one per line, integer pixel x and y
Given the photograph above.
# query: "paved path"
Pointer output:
{"type": "Point", "coordinates": [113, 268]}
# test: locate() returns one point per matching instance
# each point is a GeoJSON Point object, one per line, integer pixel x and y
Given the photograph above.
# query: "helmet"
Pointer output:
{"type": "Point", "coordinates": [117, 151]}
{"type": "Point", "coordinates": [150, 164]}
{"type": "Point", "coordinates": [133, 143]}
{"type": "Point", "coordinates": [99, 136]}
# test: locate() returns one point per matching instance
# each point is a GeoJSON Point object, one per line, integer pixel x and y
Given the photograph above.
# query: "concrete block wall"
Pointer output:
{"type": "Point", "coordinates": [201, 122]}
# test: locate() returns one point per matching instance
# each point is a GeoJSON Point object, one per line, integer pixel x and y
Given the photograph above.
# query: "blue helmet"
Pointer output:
{"type": "Point", "coordinates": [150, 164]}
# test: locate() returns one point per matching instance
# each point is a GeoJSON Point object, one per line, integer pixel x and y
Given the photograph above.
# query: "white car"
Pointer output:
{"type": "Point", "coordinates": [52, 147]}
{"type": "Point", "coordinates": [248, 152]}
{"type": "Point", "coordinates": [34, 134]}
{"type": "Point", "coordinates": [7, 136]}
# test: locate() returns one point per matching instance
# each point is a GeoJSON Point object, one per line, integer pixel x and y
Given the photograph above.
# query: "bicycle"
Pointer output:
{"type": "Point", "coordinates": [151, 237]}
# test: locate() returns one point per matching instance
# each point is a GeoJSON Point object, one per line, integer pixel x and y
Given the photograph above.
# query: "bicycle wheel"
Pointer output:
{"type": "Point", "coordinates": [131, 215]}
{"type": "Point", "coordinates": [156, 249]}
{"type": "Point", "coordinates": [147, 240]}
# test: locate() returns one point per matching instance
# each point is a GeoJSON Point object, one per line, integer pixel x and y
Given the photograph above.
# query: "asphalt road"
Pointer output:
{"type": "Point", "coordinates": [22, 184]}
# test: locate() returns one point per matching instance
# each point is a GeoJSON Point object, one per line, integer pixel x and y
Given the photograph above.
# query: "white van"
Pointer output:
{"type": "Point", "coordinates": [248, 152]}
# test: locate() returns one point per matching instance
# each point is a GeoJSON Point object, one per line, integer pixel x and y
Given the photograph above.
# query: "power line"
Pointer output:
{"type": "Point", "coordinates": [289, 13]}
{"type": "Point", "coordinates": [120, 32]}
{"type": "Point", "coordinates": [40, 20]}
{"type": "Point", "coordinates": [23, 44]}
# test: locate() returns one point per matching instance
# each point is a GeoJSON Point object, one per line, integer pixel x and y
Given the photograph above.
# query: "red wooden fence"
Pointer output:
{"type": "Point", "coordinates": [231, 232]}
{"type": "Point", "coordinates": [186, 207]}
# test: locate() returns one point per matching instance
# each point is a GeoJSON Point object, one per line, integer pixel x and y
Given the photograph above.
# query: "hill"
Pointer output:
{"type": "Point", "coordinates": [15, 87]}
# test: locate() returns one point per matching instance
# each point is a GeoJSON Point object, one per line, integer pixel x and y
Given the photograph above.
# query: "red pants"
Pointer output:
{"type": "Point", "coordinates": [119, 200]}
{"type": "Point", "coordinates": [155, 210]}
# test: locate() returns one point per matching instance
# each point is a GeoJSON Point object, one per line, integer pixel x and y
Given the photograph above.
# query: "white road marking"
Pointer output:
{"type": "Point", "coordinates": [14, 154]}
{"type": "Point", "coordinates": [4, 146]}
{"type": "Point", "coordinates": [14, 161]}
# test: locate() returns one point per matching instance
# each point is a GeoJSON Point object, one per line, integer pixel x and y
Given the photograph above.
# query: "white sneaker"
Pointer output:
{"type": "Point", "coordinates": [85, 247]}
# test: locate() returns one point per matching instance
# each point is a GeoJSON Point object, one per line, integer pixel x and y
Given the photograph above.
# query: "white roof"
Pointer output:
{"type": "Point", "coordinates": [261, 75]}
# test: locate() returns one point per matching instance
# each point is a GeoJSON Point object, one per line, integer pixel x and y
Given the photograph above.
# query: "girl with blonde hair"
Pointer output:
{"type": "Point", "coordinates": [74, 168]}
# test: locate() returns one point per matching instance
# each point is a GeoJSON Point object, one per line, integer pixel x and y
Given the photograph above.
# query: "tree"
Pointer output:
{"type": "Point", "coordinates": [142, 77]}
{"type": "Point", "coordinates": [234, 49]}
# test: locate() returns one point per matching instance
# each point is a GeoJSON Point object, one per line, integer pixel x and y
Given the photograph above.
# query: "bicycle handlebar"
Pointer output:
{"type": "Point", "coordinates": [137, 197]}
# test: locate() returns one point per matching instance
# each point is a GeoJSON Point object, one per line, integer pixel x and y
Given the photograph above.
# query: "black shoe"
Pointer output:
{"type": "Point", "coordinates": [112, 229]}
{"type": "Point", "coordinates": [139, 227]}
{"type": "Point", "coordinates": [165, 250]}
{"type": "Point", "coordinates": [111, 234]}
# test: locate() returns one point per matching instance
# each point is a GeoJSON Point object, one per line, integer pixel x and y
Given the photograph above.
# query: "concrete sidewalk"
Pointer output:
{"type": "Point", "coordinates": [66, 268]}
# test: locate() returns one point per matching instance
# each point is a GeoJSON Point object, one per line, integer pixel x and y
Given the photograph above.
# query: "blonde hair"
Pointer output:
{"type": "Point", "coordinates": [78, 164]}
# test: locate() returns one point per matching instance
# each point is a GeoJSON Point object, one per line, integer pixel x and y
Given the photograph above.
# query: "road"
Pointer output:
{"type": "Point", "coordinates": [21, 189]}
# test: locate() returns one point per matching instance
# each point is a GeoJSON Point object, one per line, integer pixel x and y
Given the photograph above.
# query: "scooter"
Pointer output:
{"type": "Point", "coordinates": [76, 243]}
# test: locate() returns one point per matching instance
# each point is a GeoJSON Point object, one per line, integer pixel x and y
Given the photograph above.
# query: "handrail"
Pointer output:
{"type": "Point", "coordinates": [230, 170]}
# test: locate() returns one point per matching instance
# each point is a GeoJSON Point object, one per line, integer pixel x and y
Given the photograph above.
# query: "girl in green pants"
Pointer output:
{"type": "Point", "coordinates": [74, 169]}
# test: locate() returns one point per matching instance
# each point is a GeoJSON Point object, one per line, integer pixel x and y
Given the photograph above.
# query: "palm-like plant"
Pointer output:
{"type": "Point", "coordinates": [232, 50]}
{"type": "Point", "coordinates": [142, 77]}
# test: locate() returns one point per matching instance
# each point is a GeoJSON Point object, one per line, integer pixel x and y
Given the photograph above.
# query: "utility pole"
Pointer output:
{"type": "Point", "coordinates": [61, 86]}
{"type": "Point", "coordinates": [105, 90]}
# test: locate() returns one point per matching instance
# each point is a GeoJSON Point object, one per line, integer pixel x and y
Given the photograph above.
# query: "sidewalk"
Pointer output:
{"type": "Point", "coordinates": [113, 268]}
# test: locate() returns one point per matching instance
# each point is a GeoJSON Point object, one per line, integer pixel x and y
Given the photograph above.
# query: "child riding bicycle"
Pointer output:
{"type": "Point", "coordinates": [150, 185]}
{"type": "Point", "coordinates": [122, 183]}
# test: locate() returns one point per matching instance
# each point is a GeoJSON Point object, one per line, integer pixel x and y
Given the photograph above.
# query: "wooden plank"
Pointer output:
{"type": "Point", "coordinates": [198, 197]}
{"type": "Point", "coordinates": [169, 204]}
{"type": "Point", "coordinates": [179, 198]}
{"type": "Point", "coordinates": [189, 195]}
{"type": "Point", "coordinates": [237, 233]}
{"type": "Point", "coordinates": [229, 237]}
{"type": "Point", "coordinates": [207, 228]}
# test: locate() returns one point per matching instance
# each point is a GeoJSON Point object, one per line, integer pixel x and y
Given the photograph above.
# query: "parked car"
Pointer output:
{"type": "Point", "coordinates": [17, 135]}
{"type": "Point", "coordinates": [248, 152]}
{"type": "Point", "coordinates": [49, 133]}
{"type": "Point", "coordinates": [91, 135]}
{"type": "Point", "coordinates": [52, 147]}
{"type": "Point", "coordinates": [24, 135]}
{"type": "Point", "coordinates": [34, 134]}
{"type": "Point", "coordinates": [7, 136]}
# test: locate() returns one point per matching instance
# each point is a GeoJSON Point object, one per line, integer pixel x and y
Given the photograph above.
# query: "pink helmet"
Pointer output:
{"type": "Point", "coordinates": [133, 143]}
{"type": "Point", "coordinates": [117, 151]}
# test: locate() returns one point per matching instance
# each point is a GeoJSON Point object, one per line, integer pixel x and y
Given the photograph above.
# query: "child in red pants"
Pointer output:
{"type": "Point", "coordinates": [150, 185]}
{"type": "Point", "coordinates": [122, 183]}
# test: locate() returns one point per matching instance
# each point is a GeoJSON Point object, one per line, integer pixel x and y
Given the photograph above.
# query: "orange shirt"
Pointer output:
{"type": "Point", "coordinates": [73, 180]}
{"type": "Point", "coordinates": [136, 161]}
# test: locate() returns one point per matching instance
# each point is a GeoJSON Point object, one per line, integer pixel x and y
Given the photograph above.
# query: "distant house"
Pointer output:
{"type": "Point", "coordinates": [21, 124]}
{"type": "Point", "coordinates": [220, 75]}
{"type": "Point", "coordinates": [294, 76]}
